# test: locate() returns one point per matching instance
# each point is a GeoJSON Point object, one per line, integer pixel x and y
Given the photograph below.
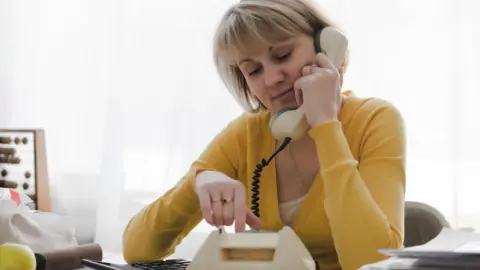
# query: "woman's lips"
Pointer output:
{"type": "Point", "coordinates": [283, 94]}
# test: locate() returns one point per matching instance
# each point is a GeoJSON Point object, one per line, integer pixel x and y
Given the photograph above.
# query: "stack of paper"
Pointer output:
{"type": "Point", "coordinates": [451, 249]}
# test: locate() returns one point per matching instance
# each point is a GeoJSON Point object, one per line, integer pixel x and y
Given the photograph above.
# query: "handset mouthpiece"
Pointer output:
{"type": "Point", "coordinates": [289, 123]}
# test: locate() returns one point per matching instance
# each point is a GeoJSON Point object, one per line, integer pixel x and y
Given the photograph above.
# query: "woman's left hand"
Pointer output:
{"type": "Point", "coordinates": [318, 91]}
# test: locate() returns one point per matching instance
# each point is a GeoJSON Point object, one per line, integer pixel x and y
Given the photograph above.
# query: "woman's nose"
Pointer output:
{"type": "Point", "coordinates": [273, 75]}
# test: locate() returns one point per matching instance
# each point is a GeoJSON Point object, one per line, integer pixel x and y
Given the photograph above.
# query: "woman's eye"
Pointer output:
{"type": "Point", "coordinates": [253, 72]}
{"type": "Point", "coordinates": [283, 56]}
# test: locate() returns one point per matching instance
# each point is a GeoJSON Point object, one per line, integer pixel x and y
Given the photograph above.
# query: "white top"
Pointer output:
{"type": "Point", "coordinates": [288, 210]}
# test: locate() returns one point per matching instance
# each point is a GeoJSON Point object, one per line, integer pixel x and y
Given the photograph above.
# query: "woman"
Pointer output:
{"type": "Point", "coordinates": [340, 187]}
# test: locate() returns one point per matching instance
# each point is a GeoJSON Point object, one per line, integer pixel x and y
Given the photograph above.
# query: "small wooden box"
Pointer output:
{"type": "Point", "coordinates": [27, 167]}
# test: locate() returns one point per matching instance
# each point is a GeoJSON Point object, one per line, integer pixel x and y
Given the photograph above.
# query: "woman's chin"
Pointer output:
{"type": "Point", "coordinates": [287, 105]}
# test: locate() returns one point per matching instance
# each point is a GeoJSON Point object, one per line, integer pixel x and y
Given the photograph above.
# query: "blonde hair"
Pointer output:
{"type": "Point", "coordinates": [267, 21]}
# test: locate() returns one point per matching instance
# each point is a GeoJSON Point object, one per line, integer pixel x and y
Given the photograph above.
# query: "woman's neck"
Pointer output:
{"type": "Point", "coordinates": [302, 146]}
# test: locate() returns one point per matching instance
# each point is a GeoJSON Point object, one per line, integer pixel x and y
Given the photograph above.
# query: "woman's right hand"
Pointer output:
{"type": "Point", "coordinates": [222, 201]}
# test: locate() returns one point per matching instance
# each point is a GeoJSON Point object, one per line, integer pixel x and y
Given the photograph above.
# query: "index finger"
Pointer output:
{"type": "Point", "coordinates": [240, 213]}
{"type": "Point", "coordinates": [324, 62]}
{"type": "Point", "coordinates": [297, 88]}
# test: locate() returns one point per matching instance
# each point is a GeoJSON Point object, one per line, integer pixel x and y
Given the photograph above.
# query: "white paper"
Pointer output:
{"type": "Point", "coordinates": [42, 232]}
{"type": "Point", "coordinates": [450, 249]}
{"type": "Point", "coordinates": [390, 264]}
{"type": "Point", "coordinates": [448, 242]}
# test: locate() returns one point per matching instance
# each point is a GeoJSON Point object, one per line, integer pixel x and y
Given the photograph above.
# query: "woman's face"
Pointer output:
{"type": "Point", "coordinates": [271, 72]}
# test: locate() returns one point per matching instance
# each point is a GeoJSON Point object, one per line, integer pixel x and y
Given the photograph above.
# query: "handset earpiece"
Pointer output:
{"type": "Point", "coordinates": [291, 123]}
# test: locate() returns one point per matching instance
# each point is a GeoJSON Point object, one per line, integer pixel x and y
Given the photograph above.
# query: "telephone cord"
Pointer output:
{"type": "Point", "coordinates": [256, 178]}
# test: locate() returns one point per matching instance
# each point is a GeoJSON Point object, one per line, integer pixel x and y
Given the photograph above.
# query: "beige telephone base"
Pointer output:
{"type": "Point", "coordinates": [281, 250]}
{"type": "Point", "coordinates": [292, 123]}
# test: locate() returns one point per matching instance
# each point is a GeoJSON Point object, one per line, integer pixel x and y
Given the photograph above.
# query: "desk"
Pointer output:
{"type": "Point", "coordinates": [111, 258]}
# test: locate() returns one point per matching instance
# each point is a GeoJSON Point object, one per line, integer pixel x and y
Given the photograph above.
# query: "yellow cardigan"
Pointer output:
{"type": "Point", "coordinates": [354, 207]}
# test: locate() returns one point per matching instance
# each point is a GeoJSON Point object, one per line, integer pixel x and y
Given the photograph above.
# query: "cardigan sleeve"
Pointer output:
{"type": "Point", "coordinates": [364, 199]}
{"type": "Point", "coordinates": [154, 232]}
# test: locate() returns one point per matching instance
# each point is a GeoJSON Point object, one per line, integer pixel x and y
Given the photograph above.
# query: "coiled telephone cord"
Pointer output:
{"type": "Point", "coordinates": [256, 178]}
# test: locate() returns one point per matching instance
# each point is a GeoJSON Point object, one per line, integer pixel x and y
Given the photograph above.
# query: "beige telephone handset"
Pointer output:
{"type": "Point", "coordinates": [291, 123]}
{"type": "Point", "coordinates": [269, 250]}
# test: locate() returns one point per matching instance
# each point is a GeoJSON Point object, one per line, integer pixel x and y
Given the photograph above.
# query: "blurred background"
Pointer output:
{"type": "Point", "coordinates": [128, 96]}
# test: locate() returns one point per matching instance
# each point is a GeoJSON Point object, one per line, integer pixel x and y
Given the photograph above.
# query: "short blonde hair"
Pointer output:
{"type": "Point", "coordinates": [267, 21]}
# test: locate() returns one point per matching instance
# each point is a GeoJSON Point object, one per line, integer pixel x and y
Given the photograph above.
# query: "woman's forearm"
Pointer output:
{"type": "Point", "coordinates": [363, 199]}
{"type": "Point", "coordinates": [154, 232]}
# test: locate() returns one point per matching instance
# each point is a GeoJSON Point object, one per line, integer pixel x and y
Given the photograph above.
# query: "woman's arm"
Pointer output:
{"type": "Point", "coordinates": [156, 230]}
{"type": "Point", "coordinates": [364, 200]}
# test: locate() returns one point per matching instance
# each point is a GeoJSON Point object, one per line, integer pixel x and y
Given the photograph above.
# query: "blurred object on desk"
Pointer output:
{"type": "Point", "coordinates": [68, 258]}
{"type": "Point", "coordinates": [23, 165]}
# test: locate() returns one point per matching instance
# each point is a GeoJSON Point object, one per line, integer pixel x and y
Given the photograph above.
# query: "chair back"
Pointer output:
{"type": "Point", "coordinates": [422, 223]}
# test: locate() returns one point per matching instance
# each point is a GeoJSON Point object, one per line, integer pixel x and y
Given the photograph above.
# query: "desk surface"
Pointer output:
{"type": "Point", "coordinates": [111, 258]}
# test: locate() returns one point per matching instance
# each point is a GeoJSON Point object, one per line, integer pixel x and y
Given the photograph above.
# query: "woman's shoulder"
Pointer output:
{"type": "Point", "coordinates": [358, 110]}
{"type": "Point", "coordinates": [371, 122]}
